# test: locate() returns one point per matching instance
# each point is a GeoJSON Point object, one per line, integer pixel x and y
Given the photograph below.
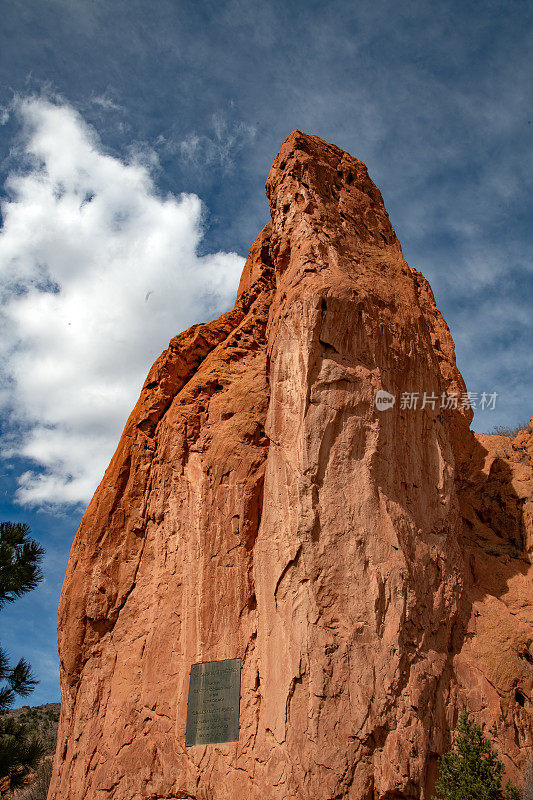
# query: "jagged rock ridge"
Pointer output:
{"type": "Point", "coordinates": [260, 507]}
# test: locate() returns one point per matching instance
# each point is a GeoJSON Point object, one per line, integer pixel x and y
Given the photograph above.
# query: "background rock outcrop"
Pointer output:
{"type": "Point", "coordinates": [370, 568]}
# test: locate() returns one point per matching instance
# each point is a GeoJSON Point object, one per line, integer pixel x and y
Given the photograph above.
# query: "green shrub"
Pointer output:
{"type": "Point", "coordinates": [471, 770]}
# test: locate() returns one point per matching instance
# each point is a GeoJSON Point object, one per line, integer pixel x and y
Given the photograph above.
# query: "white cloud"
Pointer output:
{"type": "Point", "coordinates": [98, 272]}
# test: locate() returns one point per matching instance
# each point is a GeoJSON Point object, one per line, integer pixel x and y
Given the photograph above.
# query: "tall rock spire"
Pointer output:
{"type": "Point", "coordinates": [261, 506]}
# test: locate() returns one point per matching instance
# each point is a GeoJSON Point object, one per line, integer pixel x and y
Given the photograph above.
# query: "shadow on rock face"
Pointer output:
{"type": "Point", "coordinates": [494, 664]}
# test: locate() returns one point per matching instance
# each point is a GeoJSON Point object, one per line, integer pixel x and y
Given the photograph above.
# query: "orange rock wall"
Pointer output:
{"type": "Point", "coordinates": [260, 507]}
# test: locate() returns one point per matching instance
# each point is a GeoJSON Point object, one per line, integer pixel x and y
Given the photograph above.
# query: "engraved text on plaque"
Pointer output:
{"type": "Point", "coordinates": [213, 706]}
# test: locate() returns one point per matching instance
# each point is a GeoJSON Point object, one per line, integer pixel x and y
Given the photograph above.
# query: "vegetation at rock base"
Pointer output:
{"type": "Point", "coordinates": [471, 770]}
{"type": "Point", "coordinates": [42, 722]}
{"type": "Point", "coordinates": [20, 748]}
{"type": "Point", "coordinates": [38, 788]}
{"type": "Point", "coordinates": [527, 786]}
{"type": "Point", "coordinates": [509, 430]}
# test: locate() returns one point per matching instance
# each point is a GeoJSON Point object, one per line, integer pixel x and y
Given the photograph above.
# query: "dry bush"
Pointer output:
{"type": "Point", "coordinates": [527, 785]}
{"type": "Point", "coordinates": [509, 430]}
{"type": "Point", "coordinates": [38, 788]}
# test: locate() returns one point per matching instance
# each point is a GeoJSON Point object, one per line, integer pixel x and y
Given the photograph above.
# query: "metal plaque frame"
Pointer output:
{"type": "Point", "coordinates": [214, 702]}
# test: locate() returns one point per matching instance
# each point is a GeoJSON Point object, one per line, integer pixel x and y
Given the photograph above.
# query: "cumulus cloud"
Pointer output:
{"type": "Point", "coordinates": [98, 272]}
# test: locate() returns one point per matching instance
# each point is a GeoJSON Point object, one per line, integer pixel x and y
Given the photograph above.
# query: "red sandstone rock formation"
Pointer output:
{"type": "Point", "coordinates": [260, 507]}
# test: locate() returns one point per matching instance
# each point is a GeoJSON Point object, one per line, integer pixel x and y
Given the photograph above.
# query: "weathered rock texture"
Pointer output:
{"type": "Point", "coordinates": [259, 506]}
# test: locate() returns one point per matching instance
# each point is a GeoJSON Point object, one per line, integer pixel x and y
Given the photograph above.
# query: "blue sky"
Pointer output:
{"type": "Point", "coordinates": [135, 143]}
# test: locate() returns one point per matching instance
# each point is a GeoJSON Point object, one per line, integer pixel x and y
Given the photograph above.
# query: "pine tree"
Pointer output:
{"type": "Point", "coordinates": [471, 770]}
{"type": "Point", "coordinates": [20, 749]}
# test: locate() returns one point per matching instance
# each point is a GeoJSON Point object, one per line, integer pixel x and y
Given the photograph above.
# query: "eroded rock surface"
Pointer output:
{"type": "Point", "coordinates": [260, 507]}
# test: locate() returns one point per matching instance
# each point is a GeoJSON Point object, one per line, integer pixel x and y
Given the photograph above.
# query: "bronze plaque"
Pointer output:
{"type": "Point", "coordinates": [213, 705]}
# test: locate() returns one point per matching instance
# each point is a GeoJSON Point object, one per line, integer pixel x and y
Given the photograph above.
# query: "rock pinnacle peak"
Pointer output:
{"type": "Point", "coordinates": [275, 505]}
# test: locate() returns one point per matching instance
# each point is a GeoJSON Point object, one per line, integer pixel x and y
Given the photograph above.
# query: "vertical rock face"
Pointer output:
{"type": "Point", "coordinates": [259, 506]}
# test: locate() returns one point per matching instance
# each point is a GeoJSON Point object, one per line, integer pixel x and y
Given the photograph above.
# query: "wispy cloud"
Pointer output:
{"type": "Point", "coordinates": [98, 272]}
{"type": "Point", "coordinates": [219, 146]}
{"type": "Point", "coordinates": [105, 102]}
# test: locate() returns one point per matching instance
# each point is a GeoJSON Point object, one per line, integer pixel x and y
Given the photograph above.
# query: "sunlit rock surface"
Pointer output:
{"type": "Point", "coordinates": [370, 568]}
